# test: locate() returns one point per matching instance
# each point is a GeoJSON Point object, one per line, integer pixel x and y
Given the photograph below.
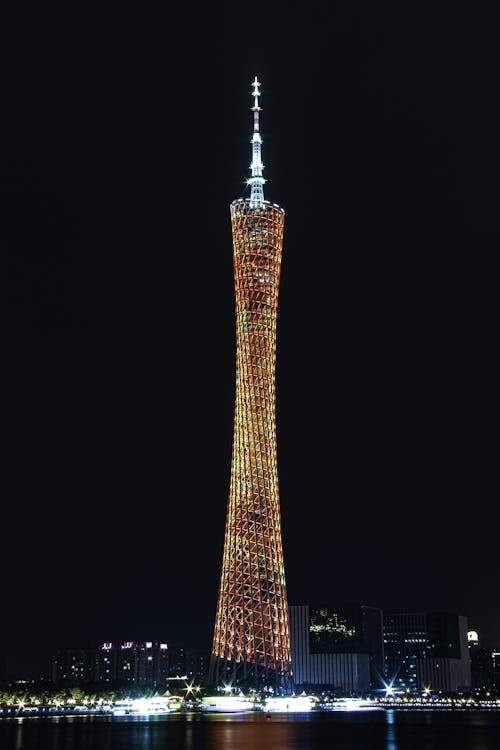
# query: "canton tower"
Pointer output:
{"type": "Point", "coordinates": [251, 643]}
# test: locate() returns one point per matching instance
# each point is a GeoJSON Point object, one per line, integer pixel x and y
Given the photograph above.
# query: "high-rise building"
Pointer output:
{"type": "Point", "coordinates": [198, 663]}
{"type": "Point", "coordinates": [485, 667]}
{"type": "Point", "coordinates": [73, 665]}
{"type": "Point", "coordinates": [142, 662]}
{"type": "Point", "coordinates": [251, 642]}
{"type": "Point", "coordinates": [427, 651]}
{"type": "Point", "coordinates": [337, 647]}
{"type": "Point", "coordinates": [191, 664]}
{"type": "Point", "coordinates": [177, 661]}
{"type": "Point", "coordinates": [139, 663]}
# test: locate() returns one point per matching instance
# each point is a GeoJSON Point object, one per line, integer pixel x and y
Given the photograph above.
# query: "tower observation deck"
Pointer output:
{"type": "Point", "coordinates": [251, 643]}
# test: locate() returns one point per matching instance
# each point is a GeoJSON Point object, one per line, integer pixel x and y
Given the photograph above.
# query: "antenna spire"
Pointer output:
{"type": "Point", "coordinates": [256, 181]}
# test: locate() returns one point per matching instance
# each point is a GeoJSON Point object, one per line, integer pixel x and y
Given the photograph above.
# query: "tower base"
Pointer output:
{"type": "Point", "coordinates": [248, 676]}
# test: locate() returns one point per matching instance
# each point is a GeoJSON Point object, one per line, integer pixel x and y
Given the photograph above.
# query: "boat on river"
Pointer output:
{"type": "Point", "coordinates": [227, 704]}
{"type": "Point", "coordinates": [352, 704]}
{"type": "Point", "coordinates": [146, 706]}
{"type": "Point", "coordinates": [289, 704]}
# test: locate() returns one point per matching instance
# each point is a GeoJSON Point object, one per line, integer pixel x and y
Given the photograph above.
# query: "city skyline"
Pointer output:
{"type": "Point", "coordinates": [124, 147]}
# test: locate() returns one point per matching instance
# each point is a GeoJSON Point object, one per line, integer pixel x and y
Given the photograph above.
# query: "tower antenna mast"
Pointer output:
{"type": "Point", "coordinates": [256, 181]}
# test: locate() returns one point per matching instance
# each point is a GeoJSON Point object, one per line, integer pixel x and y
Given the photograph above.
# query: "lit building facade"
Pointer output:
{"type": "Point", "coordinates": [137, 662]}
{"type": "Point", "coordinates": [251, 643]}
{"type": "Point", "coordinates": [337, 647]}
{"type": "Point", "coordinates": [427, 651]}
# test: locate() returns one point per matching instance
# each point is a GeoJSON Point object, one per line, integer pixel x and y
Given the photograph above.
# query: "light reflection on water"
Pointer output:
{"type": "Point", "coordinates": [389, 730]}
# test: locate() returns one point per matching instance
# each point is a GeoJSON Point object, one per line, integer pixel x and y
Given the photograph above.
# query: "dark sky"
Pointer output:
{"type": "Point", "coordinates": [125, 136]}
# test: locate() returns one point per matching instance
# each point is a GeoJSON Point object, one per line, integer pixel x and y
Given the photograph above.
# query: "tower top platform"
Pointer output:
{"type": "Point", "coordinates": [261, 204]}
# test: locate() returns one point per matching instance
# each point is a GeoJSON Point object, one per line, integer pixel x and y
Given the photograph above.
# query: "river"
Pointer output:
{"type": "Point", "coordinates": [391, 730]}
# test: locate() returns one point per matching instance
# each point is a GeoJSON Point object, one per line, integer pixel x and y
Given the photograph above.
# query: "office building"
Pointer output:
{"type": "Point", "coordinates": [485, 669]}
{"type": "Point", "coordinates": [337, 647]}
{"type": "Point", "coordinates": [427, 651]}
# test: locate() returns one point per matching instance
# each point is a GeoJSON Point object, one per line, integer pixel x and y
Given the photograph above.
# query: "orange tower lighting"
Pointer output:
{"type": "Point", "coordinates": [251, 643]}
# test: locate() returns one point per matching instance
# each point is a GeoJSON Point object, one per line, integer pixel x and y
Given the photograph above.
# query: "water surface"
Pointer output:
{"type": "Point", "coordinates": [391, 730]}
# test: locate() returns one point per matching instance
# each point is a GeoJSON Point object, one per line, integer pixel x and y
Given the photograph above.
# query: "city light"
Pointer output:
{"type": "Point", "coordinates": [389, 690]}
{"type": "Point", "coordinates": [191, 689]}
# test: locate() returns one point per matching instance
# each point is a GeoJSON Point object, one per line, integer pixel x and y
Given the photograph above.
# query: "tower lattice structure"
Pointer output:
{"type": "Point", "coordinates": [251, 640]}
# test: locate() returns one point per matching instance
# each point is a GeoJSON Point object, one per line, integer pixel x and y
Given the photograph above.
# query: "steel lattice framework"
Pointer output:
{"type": "Point", "coordinates": [251, 640]}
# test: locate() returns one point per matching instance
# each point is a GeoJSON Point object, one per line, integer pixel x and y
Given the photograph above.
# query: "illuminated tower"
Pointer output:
{"type": "Point", "coordinates": [251, 640]}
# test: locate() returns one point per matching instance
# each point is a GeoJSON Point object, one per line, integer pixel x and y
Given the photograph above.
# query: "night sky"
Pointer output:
{"type": "Point", "coordinates": [125, 136]}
